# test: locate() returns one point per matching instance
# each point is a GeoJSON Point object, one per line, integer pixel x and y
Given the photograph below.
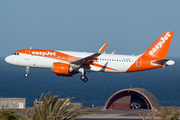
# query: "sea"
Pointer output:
{"type": "Point", "coordinates": [164, 83]}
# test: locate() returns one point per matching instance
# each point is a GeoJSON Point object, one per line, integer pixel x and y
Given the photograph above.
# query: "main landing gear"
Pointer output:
{"type": "Point", "coordinates": [83, 76]}
{"type": "Point", "coordinates": [27, 71]}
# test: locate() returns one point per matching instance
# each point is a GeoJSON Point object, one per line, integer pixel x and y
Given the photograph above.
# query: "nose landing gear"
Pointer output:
{"type": "Point", "coordinates": [27, 71]}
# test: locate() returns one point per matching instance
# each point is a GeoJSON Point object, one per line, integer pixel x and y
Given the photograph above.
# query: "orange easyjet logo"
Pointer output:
{"type": "Point", "coordinates": [160, 44]}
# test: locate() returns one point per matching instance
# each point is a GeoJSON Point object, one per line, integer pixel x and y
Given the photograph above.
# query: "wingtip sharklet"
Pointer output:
{"type": "Point", "coordinates": [103, 48]}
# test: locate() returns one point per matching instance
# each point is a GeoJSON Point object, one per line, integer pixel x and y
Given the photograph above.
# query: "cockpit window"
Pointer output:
{"type": "Point", "coordinates": [15, 53]}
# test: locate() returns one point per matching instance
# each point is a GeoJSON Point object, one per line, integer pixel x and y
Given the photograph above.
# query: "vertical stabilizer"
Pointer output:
{"type": "Point", "coordinates": [160, 48]}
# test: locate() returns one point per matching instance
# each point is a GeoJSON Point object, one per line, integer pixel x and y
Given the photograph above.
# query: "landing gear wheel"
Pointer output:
{"type": "Point", "coordinates": [84, 78]}
{"type": "Point", "coordinates": [26, 75]}
{"type": "Point", "coordinates": [27, 71]}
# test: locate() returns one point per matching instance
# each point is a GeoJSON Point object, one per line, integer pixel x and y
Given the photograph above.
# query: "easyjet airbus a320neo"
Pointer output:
{"type": "Point", "coordinates": [66, 63]}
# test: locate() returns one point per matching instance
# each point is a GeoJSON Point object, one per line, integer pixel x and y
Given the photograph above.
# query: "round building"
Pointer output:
{"type": "Point", "coordinates": [132, 98]}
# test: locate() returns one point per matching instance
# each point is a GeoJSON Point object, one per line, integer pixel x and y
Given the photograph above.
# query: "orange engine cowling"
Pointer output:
{"type": "Point", "coordinates": [62, 69]}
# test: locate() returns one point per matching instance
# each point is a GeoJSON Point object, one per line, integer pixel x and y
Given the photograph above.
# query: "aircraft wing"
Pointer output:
{"type": "Point", "coordinates": [86, 61]}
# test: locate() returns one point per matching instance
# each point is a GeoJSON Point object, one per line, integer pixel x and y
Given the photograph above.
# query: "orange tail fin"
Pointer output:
{"type": "Point", "coordinates": [160, 48]}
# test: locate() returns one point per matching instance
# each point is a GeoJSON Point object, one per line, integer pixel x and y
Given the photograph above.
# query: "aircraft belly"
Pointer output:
{"type": "Point", "coordinates": [111, 67]}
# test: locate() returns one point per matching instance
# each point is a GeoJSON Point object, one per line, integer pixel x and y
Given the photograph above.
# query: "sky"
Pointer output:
{"type": "Point", "coordinates": [129, 26]}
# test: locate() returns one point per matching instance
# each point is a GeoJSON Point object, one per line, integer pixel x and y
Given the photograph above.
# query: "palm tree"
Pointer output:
{"type": "Point", "coordinates": [10, 115]}
{"type": "Point", "coordinates": [53, 109]}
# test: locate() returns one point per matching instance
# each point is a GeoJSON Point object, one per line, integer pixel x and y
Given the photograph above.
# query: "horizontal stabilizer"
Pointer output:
{"type": "Point", "coordinates": [161, 62]}
{"type": "Point", "coordinates": [165, 62]}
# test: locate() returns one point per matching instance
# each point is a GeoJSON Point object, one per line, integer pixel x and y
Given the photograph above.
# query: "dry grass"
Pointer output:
{"type": "Point", "coordinates": [162, 113]}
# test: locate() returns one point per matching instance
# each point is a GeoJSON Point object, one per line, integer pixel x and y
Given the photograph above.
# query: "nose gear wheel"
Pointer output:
{"type": "Point", "coordinates": [27, 71]}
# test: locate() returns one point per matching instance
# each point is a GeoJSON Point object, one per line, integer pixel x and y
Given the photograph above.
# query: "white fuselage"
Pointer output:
{"type": "Point", "coordinates": [118, 63]}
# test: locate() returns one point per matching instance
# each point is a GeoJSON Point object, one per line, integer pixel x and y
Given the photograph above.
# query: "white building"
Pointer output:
{"type": "Point", "coordinates": [12, 103]}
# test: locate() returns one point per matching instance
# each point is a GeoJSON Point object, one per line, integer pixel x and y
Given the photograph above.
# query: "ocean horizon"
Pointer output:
{"type": "Point", "coordinates": [163, 83]}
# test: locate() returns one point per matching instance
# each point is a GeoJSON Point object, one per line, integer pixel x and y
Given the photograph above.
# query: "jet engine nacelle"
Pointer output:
{"type": "Point", "coordinates": [62, 69]}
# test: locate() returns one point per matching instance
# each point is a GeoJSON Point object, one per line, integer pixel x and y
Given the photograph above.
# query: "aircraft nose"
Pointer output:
{"type": "Point", "coordinates": [8, 59]}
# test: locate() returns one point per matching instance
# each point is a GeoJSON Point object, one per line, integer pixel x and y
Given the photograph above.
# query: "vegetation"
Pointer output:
{"type": "Point", "coordinates": [10, 115]}
{"type": "Point", "coordinates": [49, 109]}
{"type": "Point", "coordinates": [53, 109]}
{"type": "Point", "coordinates": [168, 114]}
